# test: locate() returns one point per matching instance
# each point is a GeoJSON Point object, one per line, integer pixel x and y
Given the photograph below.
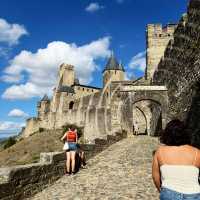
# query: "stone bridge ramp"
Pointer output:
{"type": "Point", "coordinates": [123, 171]}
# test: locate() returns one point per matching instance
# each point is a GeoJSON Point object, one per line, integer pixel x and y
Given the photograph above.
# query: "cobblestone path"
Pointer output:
{"type": "Point", "coordinates": [123, 171]}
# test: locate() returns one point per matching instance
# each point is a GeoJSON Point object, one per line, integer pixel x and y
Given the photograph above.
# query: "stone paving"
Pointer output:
{"type": "Point", "coordinates": [123, 171]}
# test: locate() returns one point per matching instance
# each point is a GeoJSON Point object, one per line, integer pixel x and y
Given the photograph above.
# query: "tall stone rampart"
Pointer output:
{"type": "Point", "coordinates": [179, 70]}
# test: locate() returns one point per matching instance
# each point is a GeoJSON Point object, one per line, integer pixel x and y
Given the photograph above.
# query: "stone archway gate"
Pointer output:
{"type": "Point", "coordinates": [131, 95]}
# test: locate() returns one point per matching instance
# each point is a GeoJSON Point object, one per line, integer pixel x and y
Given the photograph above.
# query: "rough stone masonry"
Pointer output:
{"type": "Point", "coordinates": [179, 70]}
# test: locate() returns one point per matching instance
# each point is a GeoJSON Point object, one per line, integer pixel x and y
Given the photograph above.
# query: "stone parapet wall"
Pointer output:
{"type": "Point", "coordinates": [23, 181]}
{"type": "Point", "coordinates": [20, 182]}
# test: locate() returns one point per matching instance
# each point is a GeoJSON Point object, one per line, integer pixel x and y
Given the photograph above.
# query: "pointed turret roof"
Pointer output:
{"type": "Point", "coordinates": [45, 98]}
{"type": "Point", "coordinates": [113, 64]}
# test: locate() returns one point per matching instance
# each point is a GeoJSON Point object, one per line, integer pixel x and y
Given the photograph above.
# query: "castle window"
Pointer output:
{"type": "Point", "coordinates": [169, 35]}
{"type": "Point", "coordinates": [83, 89]}
{"type": "Point", "coordinates": [71, 105]}
{"type": "Point", "coordinates": [92, 90]}
{"type": "Point", "coordinates": [160, 35]}
{"type": "Point", "coordinates": [115, 72]}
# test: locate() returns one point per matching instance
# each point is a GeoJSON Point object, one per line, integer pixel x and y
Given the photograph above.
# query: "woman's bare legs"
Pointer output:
{"type": "Point", "coordinates": [73, 157]}
{"type": "Point", "coordinates": [68, 161]}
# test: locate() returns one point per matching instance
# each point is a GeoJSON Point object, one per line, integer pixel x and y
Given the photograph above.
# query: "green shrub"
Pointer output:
{"type": "Point", "coordinates": [35, 158]}
{"type": "Point", "coordinates": [11, 141]}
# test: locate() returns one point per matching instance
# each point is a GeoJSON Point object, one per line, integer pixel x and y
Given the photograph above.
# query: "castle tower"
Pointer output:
{"type": "Point", "coordinates": [66, 75]}
{"type": "Point", "coordinates": [113, 71]}
{"type": "Point", "coordinates": [157, 38]}
{"type": "Point", "coordinates": [43, 107]}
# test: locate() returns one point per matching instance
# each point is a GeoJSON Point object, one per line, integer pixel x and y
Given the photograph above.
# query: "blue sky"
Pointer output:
{"type": "Point", "coordinates": [36, 36]}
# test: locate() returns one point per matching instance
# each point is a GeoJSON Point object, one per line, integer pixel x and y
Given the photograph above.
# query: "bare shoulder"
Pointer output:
{"type": "Point", "coordinates": [159, 150]}
{"type": "Point", "coordinates": [65, 134]}
{"type": "Point", "coordinates": [194, 148]}
{"type": "Point", "coordinates": [162, 148]}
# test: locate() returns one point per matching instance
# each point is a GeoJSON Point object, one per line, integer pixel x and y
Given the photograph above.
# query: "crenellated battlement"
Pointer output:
{"type": "Point", "coordinates": [66, 66]}
{"type": "Point", "coordinates": [157, 38]}
{"type": "Point", "coordinates": [159, 31]}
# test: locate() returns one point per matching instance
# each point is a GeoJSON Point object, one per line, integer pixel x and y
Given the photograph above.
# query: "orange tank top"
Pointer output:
{"type": "Point", "coordinates": [71, 136]}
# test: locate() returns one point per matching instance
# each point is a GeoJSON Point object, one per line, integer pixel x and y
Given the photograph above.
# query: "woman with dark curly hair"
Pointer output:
{"type": "Point", "coordinates": [175, 167]}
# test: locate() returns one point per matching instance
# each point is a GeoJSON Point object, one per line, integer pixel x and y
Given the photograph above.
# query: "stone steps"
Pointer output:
{"type": "Point", "coordinates": [122, 171]}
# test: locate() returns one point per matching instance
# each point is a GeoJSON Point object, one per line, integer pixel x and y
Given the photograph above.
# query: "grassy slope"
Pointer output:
{"type": "Point", "coordinates": [28, 150]}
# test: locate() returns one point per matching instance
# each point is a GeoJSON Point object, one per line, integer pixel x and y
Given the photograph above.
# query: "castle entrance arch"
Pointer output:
{"type": "Point", "coordinates": [144, 109]}
{"type": "Point", "coordinates": [147, 117]}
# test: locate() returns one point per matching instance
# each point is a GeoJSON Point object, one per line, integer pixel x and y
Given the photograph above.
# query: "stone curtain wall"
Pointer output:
{"type": "Point", "coordinates": [179, 70]}
{"type": "Point", "coordinates": [17, 183]}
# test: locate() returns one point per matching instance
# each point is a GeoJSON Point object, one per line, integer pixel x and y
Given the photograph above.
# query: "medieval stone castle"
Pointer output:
{"type": "Point", "coordinates": [169, 89]}
{"type": "Point", "coordinates": [134, 106]}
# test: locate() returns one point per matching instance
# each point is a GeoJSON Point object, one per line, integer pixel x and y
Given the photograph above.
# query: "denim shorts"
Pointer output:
{"type": "Point", "coordinates": [72, 146]}
{"type": "Point", "coordinates": [167, 194]}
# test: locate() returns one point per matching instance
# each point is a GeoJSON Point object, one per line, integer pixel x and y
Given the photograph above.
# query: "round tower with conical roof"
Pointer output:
{"type": "Point", "coordinates": [113, 71]}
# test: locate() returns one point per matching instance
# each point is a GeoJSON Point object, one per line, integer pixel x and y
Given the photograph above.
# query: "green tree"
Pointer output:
{"type": "Point", "coordinates": [11, 141]}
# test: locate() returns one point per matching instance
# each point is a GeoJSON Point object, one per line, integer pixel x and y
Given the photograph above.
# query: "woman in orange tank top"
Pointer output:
{"type": "Point", "coordinates": [71, 137]}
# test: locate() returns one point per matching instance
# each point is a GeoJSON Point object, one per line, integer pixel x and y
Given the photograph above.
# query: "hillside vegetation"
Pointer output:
{"type": "Point", "coordinates": [28, 150]}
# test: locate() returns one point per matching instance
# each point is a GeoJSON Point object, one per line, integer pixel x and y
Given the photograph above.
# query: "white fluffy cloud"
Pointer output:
{"type": "Point", "coordinates": [138, 62]}
{"type": "Point", "coordinates": [17, 113]}
{"type": "Point", "coordinates": [93, 7]}
{"type": "Point", "coordinates": [38, 70]}
{"type": "Point", "coordinates": [11, 33]}
{"type": "Point", "coordinates": [10, 126]}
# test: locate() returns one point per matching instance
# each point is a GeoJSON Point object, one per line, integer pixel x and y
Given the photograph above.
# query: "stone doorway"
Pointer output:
{"type": "Point", "coordinates": [147, 118]}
